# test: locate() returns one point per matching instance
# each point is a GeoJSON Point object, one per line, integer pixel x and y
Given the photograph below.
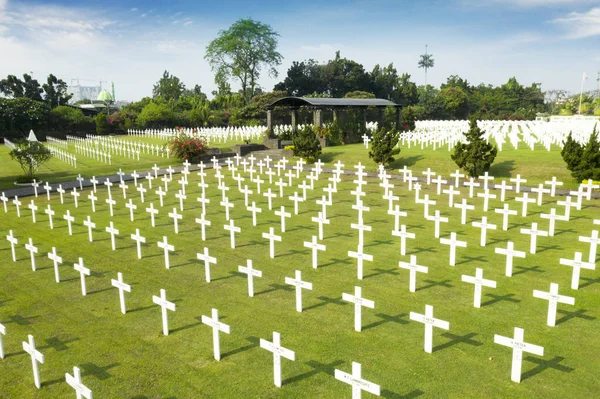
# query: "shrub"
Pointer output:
{"type": "Point", "coordinates": [306, 144]}
{"type": "Point", "coordinates": [30, 155]}
{"type": "Point", "coordinates": [102, 125]}
{"type": "Point", "coordinates": [583, 160]}
{"type": "Point", "coordinates": [289, 147]}
{"type": "Point", "coordinates": [184, 146]}
{"type": "Point", "coordinates": [383, 147]}
{"type": "Point", "coordinates": [476, 156]}
{"type": "Point", "coordinates": [408, 119]}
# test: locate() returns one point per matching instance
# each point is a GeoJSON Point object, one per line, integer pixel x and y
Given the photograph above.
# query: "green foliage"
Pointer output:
{"type": "Point", "coordinates": [306, 144]}
{"type": "Point", "coordinates": [583, 160]}
{"type": "Point", "coordinates": [184, 146]}
{"type": "Point", "coordinates": [16, 88]}
{"type": "Point", "coordinates": [19, 115]}
{"type": "Point", "coordinates": [383, 146]}
{"type": "Point", "coordinates": [169, 87]}
{"type": "Point", "coordinates": [155, 115]}
{"type": "Point", "coordinates": [55, 92]}
{"type": "Point", "coordinates": [476, 156]}
{"type": "Point", "coordinates": [455, 102]}
{"type": "Point", "coordinates": [359, 94]}
{"type": "Point", "coordinates": [30, 155]}
{"type": "Point", "coordinates": [408, 119]}
{"type": "Point", "coordinates": [241, 52]}
{"type": "Point", "coordinates": [65, 119]}
{"type": "Point", "coordinates": [102, 125]}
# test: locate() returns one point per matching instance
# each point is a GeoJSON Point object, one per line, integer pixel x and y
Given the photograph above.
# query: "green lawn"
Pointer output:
{"type": "Point", "coordinates": [126, 356]}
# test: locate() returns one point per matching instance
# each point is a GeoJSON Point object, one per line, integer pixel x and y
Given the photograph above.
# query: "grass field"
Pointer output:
{"type": "Point", "coordinates": [126, 356]}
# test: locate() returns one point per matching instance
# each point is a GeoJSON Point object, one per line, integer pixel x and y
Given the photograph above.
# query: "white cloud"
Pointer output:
{"type": "Point", "coordinates": [186, 23]}
{"type": "Point", "coordinates": [134, 9]}
{"type": "Point", "coordinates": [581, 24]}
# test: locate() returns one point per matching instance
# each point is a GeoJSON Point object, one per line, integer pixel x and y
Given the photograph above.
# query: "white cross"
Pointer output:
{"type": "Point", "coordinates": [4, 200]}
{"type": "Point", "coordinates": [296, 198]}
{"type": "Point", "coordinates": [361, 231]}
{"type": "Point", "coordinates": [360, 257]}
{"type": "Point", "coordinates": [451, 193]}
{"type": "Point", "coordinates": [35, 186]}
{"type": "Point", "coordinates": [2, 332]}
{"type": "Point", "coordinates": [577, 265]}
{"type": "Point", "coordinates": [111, 202]}
{"type": "Point", "coordinates": [124, 186]}
{"type": "Point", "coordinates": [360, 208]}
{"type": "Point", "coordinates": [429, 322]}
{"type": "Point", "coordinates": [61, 191]}
{"type": "Point", "coordinates": [479, 282]}
{"type": "Point", "coordinates": [428, 173]}
{"type": "Point", "coordinates": [366, 140]}
{"type": "Point", "coordinates": [579, 194]}
{"type": "Point", "coordinates": [48, 188]}
{"type": "Point", "coordinates": [121, 174]}
{"type": "Point", "coordinates": [553, 299]}
{"type": "Point", "coordinates": [166, 247]}
{"type": "Point", "coordinates": [437, 219]}
{"type": "Point", "coordinates": [453, 242]}
{"type": "Point", "coordinates": [590, 186]}
{"type": "Point", "coordinates": [232, 230]}
{"type": "Point", "coordinates": [503, 187]}
{"type": "Point", "coordinates": [505, 213]}
{"type": "Point", "coordinates": [248, 270]}
{"type": "Point", "coordinates": [414, 268]}
{"type": "Point", "coordinates": [359, 302]}
{"type": "Point", "coordinates": [246, 191]}
{"type": "Point", "coordinates": [92, 198]}
{"type": "Point", "coordinates": [70, 219]}
{"type": "Point", "coordinates": [155, 169]}
{"type": "Point", "coordinates": [457, 175]}
{"type": "Point", "coordinates": [534, 232]}
{"type": "Point", "coordinates": [525, 200]}
{"type": "Point", "coordinates": [138, 241]}
{"type": "Point", "coordinates": [13, 241]}
{"type": "Point", "coordinates": [90, 225]}
{"type": "Point", "coordinates": [135, 176]}
{"type": "Point", "coordinates": [176, 217]}
{"type": "Point", "coordinates": [594, 241]}
{"type": "Point", "coordinates": [471, 184]}
{"type": "Point", "coordinates": [36, 357]}
{"type": "Point", "coordinates": [540, 191]}
{"type": "Point", "coordinates": [396, 213]}
{"type": "Point", "coordinates": [254, 209]}
{"type": "Point", "coordinates": [272, 237]}
{"type": "Point", "coordinates": [170, 170]}
{"type": "Point", "coordinates": [165, 305]}
{"type": "Point", "coordinates": [357, 382]}
{"type": "Point", "coordinates": [403, 234]}
{"type": "Point", "coordinates": [32, 251]}
{"type": "Point", "coordinates": [281, 184]}
{"type": "Point", "coordinates": [568, 205]}
{"type": "Point", "coordinates": [56, 260]}
{"type": "Point", "coordinates": [225, 203]}
{"type": "Point", "coordinates": [122, 287]}
{"type": "Point", "coordinates": [510, 253]}
{"type": "Point", "coordinates": [33, 208]}
{"type": "Point", "coordinates": [439, 181]}
{"type": "Point", "coordinates": [217, 327]}
{"type": "Point", "coordinates": [112, 231]}
{"type": "Point", "coordinates": [518, 347]}
{"type": "Point", "coordinates": [484, 226]}
{"type": "Point", "coordinates": [283, 214]}
{"type": "Point", "coordinates": [108, 185]}
{"type": "Point", "coordinates": [553, 217]}
{"type": "Point", "coordinates": [207, 261]}
{"type": "Point", "coordinates": [131, 206]}
{"type": "Point", "coordinates": [180, 196]}
{"type": "Point", "coordinates": [517, 180]}
{"type": "Point", "coordinates": [486, 179]}
{"type": "Point", "coordinates": [426, 202]}
{"type": "Point", "coordinates": [320, 220]}
{"type": "Point", "coordinates": [161, 193]}
{"type": "Point", "coordinates": [486, 195]}
{"type": "Point", "coordinates": [464, 206]}
{"type": "Point", "coordinates": [299, 284]}
{"type": "Point", "coordinates": [17, 205]}
{"type": "Point", "coordinates": [270, 197]}
{"type": "Point", "coordinates": [75, 382]}
{"type": "Point", "coordinates": [94, 182]}
{"type": "Point", "coordinates": [315, 246]}
{"type": "Point", "coordinates": [278, 352]}
{"type": "Point", "coordinates": [142, 190]}
{"type": "Point", "coordinates": [83, 271]}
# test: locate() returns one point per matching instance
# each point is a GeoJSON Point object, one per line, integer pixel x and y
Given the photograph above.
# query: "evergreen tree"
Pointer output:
{"type": "Point", "coordinates": [571, 152]}
{"type": "Point", "coordinates": [383, 147]}
{"type": "Point", "coordinates": [306, 144]}
{"type": "Point", "coordinates": [408, 119]}
{"type": "Point", "coordinates": [589, 162]}
{"type": "Point", "coordinates": [476, 156]}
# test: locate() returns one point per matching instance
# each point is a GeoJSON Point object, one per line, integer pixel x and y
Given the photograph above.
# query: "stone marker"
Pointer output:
{"type": "Point", "coordinates": [248, 270]}
{"type": "Point", "coordinates": [299, 284]}
{"type": "Point", "coordinates": [164, 305]}
{"type": "Point", "coordinates": [479, 282]}
{"type": "Point", "coordinates": [429, 322]}
{"type": "Point", "coordinates": [278, 352]}
{"type": "Point", "coordinates": [359, 302]}
{"type": "Point", "coordinates": [217, 327]}
{"type": "Point", "coordinates": [357, 382]}
{"type": "Point", "coordinates": [518, 347]}
{"type": "Point", "coordinates": [553, 299]}
{"type": "Point", "coordinates": [122, 287]}
{"type": "Point", "coordinates": [36, 357]}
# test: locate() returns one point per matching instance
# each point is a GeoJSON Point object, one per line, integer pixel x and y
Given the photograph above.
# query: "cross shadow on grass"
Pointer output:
{"type": "Point", "coordinates": [275, 287]}
{"type": "Point", "coordinates": [19, 320]}
{"type": "Point", "coordinates": [254, 343]}
{"type": "Point", "coordinates": [386, 318]}
{"type": "Point", "coordinates": [499, 298]}
{"type": "Point", "coordinates": [294, 252]}
{"type": "Point", "coordinates": [523, 269]}
{"type": "Point", "coordinates": [588, 281]}
{"type": "Point", "coordinates": [231, 274]}
{"type": "Point", "coordinates": [379, 271]}
{"type": "Point", "coordinates": [579, 313]}
{"type": "Point", "coordinates": [469, 259]}
{"type": "Point", "coordinates": [393, 395]}
{"type": "Point", "coordinates": [100, 290]}
{"type": "Point", "coordinates": [457, 339]}
{"type": "Point", "coordinates": [421, 249]}
{"type": "Point", "coordinates": [433, 283]}
{"type": "Point", "coordinates": [188, 326]}
{"type": "Point", "coordinates": [92, 369]}
{"type": "Point", "coordinates": [558, 232]}
{"type": "Point", "coordinates": [376, 243]}
{"type": "Point", "coordinates": [57, 344]}
{"type": "Point", "coordinates": [317, 368]}
{"type": "Point", "coordinates": [543, 248]}
{"type": "Point", "coordinates": [408, 161]}
{"type": "Point", "coordinates": [326, 301]}
{"type": "Point", "coordinates": [335, 261]}
{"type": "Point", "coordinates": [542, 365]}
{"type": "Point", "coordinates": [142, 308]}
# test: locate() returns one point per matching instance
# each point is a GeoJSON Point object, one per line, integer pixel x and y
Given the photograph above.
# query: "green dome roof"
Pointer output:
{"type": "Point", "coordinates": [104, 96]}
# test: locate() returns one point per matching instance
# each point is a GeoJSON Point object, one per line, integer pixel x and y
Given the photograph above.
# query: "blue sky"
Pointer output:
{"type": "Point", "coordinates": [133, 42]}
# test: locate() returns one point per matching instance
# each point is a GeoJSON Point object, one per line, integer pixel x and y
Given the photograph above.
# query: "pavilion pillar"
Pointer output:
{"type": "Point", "coordinates": [398, 118]}
{"type": "Point", "coordinates": [335, 115]}
{"type": "Point", "coordinates": [270, 122]}
{"type": "Point", "coordinates": [381, 119]}
{"type": "Point", "coordinates": [318, 117]}
{"type": "Point", "coordinates": [364, 116]}
{"type": "Point", "coordinates": [294, 112]}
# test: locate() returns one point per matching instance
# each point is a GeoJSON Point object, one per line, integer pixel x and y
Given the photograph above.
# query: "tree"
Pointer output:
{"type": "Point", "coordinates": [359, 94]}
{"type": "Point", "coordinates": [455, 102]}
{"type": "Point", "coordinates": [405, 93]}
{"type": "Point", "coordinates": [343, 75]}
{"type": "Point", "coordinates": [169, 87]}
{"type": "Point", "coordinates": [408, 119]}
{"type": "Point", "coordinates": [241, 52]}
{"type": "Point", "coordinates": [65, 118]}
{"type": "Point", "coordinates": [102, 125]}
{"type": "Point", "coordinates": [155, 115]}
{"type": "Point", "coordinates": [303, 78]}
{"type": "Point", "coordinates": [16, 88]}
{"type": "Point", "coordinates": [19, 115]}
{"type": "Point", "coordinates": [55, 92]}
{"type": "Point", "coordinates": [589, 164]}
{"type": "Point", "coordinates": [306, 144]}
{"type": "Point", "coordinates": [476, 155]}
{"type": "Point", "coordinates": [383, 147]}
{"type": "Point", "coordinates": [30, 155]}
{"type": "Point", "coordinates": [571, 152]}
{"type": "Point", "coordinates": [426, 61]}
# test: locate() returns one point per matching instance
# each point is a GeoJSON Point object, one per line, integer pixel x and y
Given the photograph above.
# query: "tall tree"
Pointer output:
{"type": "Point", "coordinates": [169, 87]}
{"type": "Point", "coordinates": [55, 92]}
{"type": "Point", "coordinates": [426, 61]}
{"type": "Point", "coordinates": [241, 52]}
{"type": "Point", "coordinates": [476, 155]}
{"type": "Point", "coordinates": [16, 88]}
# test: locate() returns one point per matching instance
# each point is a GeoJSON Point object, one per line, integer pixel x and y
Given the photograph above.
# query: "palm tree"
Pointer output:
{"type": "Point", "coordinates": [426, 62]}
